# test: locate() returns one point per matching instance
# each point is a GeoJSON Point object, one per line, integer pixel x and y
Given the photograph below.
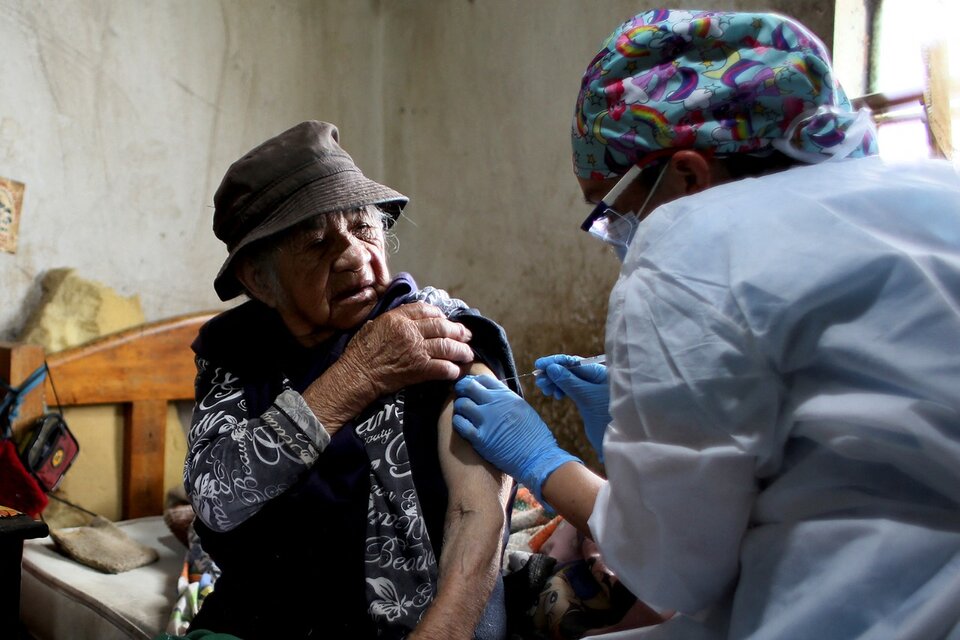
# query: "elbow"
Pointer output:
{"type": "Point", "coordinates": [474, 541]}
{"type": "Point", "coordinates": [485, 522]}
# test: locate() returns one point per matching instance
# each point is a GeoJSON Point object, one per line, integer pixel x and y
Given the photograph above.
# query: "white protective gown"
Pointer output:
{"type": "Point", "coordinates": [784, 454]}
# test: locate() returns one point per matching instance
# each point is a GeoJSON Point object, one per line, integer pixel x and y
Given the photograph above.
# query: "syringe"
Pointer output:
{"type": "Point", "coordinates": [600, 359]}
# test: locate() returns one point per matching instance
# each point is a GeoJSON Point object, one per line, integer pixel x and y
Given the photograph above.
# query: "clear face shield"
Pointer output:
{"type": "Point", "coordinates": [613, 227]}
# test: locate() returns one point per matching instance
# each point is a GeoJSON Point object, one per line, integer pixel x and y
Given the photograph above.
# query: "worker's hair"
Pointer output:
{"type": "Point", "coordinates": [743, 165]}
{"type": "Point", "coordinates": [262, 255]}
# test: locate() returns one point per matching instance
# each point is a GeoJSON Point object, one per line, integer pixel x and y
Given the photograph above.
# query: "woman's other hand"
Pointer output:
{"type": "Point", "coordinates": [410, 344]}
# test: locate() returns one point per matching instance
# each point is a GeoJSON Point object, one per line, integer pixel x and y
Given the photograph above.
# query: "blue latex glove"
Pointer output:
{"type": "Point", "coordinates": [506, 431]}
{"type": "Point", "coordinates": [586, 385]}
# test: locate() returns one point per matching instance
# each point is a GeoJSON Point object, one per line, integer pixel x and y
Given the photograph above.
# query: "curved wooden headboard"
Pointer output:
{"type": "Point", "coordinates": [143, 369]}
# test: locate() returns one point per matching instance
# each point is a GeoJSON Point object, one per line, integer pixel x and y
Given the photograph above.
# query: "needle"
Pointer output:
{"type": "Point", "coordinates": [600, 359]}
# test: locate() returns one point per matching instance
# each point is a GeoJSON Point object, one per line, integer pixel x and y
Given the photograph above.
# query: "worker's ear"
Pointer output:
{"type": "Point", "coordinates": [256, 281]}
{"type": "Point", "coordinates": [695, 171]}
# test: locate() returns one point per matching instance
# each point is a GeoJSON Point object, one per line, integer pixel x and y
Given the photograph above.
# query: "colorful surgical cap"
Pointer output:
{"type": "Point", "coordinates": [715, 81]}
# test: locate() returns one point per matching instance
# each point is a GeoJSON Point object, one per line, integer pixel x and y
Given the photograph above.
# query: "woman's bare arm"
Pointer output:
{"type": "Point", "coordinates": [473, 534]}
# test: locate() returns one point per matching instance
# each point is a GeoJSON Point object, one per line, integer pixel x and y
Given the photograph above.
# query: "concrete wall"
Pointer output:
{"type": "Point", "coordinates": [122, 116]}
{"type": "Point", "coordinates": [479, 100]}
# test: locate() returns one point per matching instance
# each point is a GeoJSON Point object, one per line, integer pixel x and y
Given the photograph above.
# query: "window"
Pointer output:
{"type": "Point", "coordinates": [914, 78]}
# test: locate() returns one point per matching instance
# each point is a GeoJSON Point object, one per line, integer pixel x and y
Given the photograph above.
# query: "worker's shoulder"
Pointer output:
{"type": "Point", "coordinates": [807, 194]}
{"type": "Point", "coordinates": [831, 181]}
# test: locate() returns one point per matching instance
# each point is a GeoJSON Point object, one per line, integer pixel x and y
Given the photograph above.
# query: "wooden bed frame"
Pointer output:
{"type": "Point", "coordinates": [143, 369]}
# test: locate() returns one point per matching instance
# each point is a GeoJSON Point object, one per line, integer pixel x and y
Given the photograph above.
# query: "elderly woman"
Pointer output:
{"type": "Point", "coordinates": [329, 487]}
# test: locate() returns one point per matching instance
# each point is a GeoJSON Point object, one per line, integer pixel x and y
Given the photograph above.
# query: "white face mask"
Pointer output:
{"type": "Point", "coordinates": [615, 228]}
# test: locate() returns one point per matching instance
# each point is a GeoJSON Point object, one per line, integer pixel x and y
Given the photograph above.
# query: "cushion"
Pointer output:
{"type": "Point", "coordinates": [104, 546]}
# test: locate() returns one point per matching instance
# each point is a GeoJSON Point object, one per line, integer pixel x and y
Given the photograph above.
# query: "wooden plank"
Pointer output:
{"type": "Point", "coordinates": [126, 366]}
{"type": "Point", "coordinates": [144, 423]}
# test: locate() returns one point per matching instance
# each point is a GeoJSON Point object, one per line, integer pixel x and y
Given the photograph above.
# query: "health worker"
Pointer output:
{"type": "Point", "coordinates": [779, 416]}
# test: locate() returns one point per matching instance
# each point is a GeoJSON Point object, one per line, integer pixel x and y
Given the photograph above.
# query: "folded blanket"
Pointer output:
{"type": "Point", "coordinates": [527, 519]}
{"type": "Point", "coordinates": [558, 584]}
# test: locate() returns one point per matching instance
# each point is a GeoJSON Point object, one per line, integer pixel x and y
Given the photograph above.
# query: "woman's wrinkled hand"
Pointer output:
{"type": "Point", "coordinates": [412, 343]}
{"type": "Point", "coordinates": [407, 345]}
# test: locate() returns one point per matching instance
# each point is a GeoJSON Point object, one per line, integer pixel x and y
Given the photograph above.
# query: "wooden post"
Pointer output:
{"type": "Point", "coordinates": [17, 361]}
{"type": "Point", "coordinates": [145, 426]}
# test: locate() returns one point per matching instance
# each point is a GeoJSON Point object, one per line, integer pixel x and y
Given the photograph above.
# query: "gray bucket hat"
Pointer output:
{"type": "Point", "coordinates": [296, 175]}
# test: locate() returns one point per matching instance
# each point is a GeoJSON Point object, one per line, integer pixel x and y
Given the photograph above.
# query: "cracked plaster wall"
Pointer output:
{"type": "Point", "coordinates": [121, 117]}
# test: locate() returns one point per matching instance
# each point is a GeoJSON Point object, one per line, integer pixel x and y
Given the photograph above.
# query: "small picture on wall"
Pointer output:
{"type": "Point", "coordinates": [11, 199]}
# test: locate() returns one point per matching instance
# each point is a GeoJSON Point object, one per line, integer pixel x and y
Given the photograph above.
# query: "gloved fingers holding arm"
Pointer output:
{"type": "Point", "coordinates": [507, 431]}
{"type": "Point", "coordinates": [587, 385]}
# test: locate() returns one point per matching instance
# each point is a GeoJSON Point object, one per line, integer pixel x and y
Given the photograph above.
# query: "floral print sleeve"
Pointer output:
{"type": "Point", "coordinates": [236, 463]}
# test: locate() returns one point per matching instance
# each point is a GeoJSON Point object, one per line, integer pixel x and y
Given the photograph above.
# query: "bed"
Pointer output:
{"type": "Point", "coordinates": [143, 370]}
